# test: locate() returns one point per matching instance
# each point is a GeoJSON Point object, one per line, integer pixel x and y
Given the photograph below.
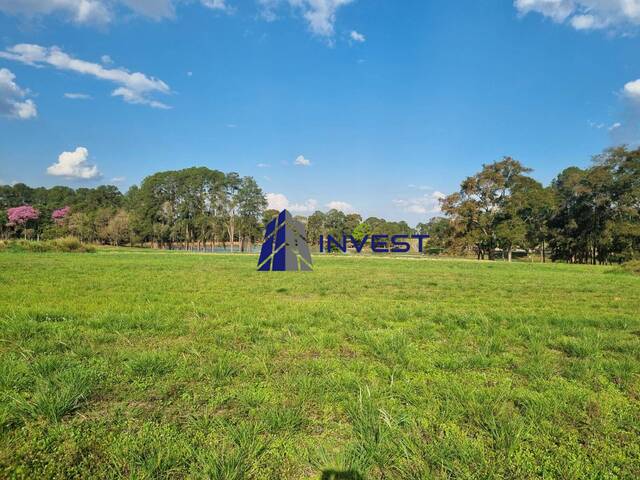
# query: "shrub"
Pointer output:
{"type": "Point", "coordinates": [67, 244]}
{"type": "Point", "coordinates": [632, 266]}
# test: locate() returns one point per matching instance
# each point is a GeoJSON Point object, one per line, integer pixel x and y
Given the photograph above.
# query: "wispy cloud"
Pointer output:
{"type": "Point", "coordinates": [357, 37]}
{"type": "Point", "coordinates": [221, 5]}
{"type": "Point", "coordinates": [77, 96]}
{"type": "Point", "coordinates": [319, 14]}
{"type": "Point", "coordinates": [341, 206]}
{"type": "Point", "coordinates": [101, 12]}
{"type": "Point", "coordinates": [301, 161]}
{"type": "Point", "coordinates": [429, 203]}
{"type": "Point", "coordinates": [586, 14]}
{"type": "Point", "coordinates": [279, 201]}
{"type": "Point", "coordinates": [13, 101]}
{"type": "Point", "coordinates": [420, 187]}
{"type": "Point", "coordinates": [76, 11]}
{"type": "Point", "coordinates": [133, 87]}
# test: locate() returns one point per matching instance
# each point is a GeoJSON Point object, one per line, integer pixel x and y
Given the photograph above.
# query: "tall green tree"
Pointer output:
{"type": "Point", "coordinates": [316, 226]}
{"type": "Point", "coordinates": [476, 210]}
{"type": "Point", "coordinates": [251, 206]}
{"type": "Point", "coordinates": [534, 205]}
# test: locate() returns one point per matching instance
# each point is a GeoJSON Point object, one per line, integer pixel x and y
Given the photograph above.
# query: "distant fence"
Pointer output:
{"type": "Point", "coordinates": [208, 249]}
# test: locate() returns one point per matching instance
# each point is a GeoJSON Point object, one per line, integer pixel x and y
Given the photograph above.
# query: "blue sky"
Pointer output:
{"type": "Point", "coordinates": [377, 106]}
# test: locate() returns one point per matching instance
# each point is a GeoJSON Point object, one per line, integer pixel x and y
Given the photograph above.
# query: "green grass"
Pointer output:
{"type": "Point", "coordinates": [145, 365]}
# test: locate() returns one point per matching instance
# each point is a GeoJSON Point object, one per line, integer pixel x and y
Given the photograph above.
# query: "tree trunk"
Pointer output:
{"type": "Point", "coordinates": [509, 255]}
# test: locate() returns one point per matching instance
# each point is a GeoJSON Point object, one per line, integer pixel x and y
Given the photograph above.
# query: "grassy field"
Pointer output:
{"type": "Point", "coordinates": [170, 365]}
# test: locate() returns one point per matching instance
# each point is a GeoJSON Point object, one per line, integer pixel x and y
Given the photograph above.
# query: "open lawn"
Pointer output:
{"type": "Point", "coordinates": [143, 364]}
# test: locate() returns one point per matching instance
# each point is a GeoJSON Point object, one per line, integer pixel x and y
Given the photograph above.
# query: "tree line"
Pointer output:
{"type": "Point", "coordinates": [191, 208]}
{"type": "Point", "coordinates": [589, 215]}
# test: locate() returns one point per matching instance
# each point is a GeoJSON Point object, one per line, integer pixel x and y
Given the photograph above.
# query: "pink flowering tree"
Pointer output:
{"type": "Point", "coordinates": [21, 216]}
{"type": "Point", "coordinates": [60, 215]}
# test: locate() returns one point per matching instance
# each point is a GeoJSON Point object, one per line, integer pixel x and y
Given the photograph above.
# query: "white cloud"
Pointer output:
{"type": "Point", "coordinates": [106, 59]}
{"type": "Point", "coordinates": [118, 180]}
{"type": "Point", "coordinates": [263, 165]}
{"type": "Point", "coordinates": [602, 126]}
{"type": "Point", "coordinates": [583, 22]}
{"type": "Point", "coordinates": [357, 37]}
{"type": "Point", "coordinates": [100, 12]}
{"type": "Point", "coordinates": [557, 10]}
{"type": "Point", "coordinates": [268, 9]}
{"type": "Point", "coordinates": [78, 11]}
{"type": "Point", "coordinates": [585, 14]}
{"type": "Point", "coordinates": [632, 90]}
{"type": "Point", "coordinates": [278, 201]}
{"type": "Point", "coordinates": [216, 5]}
{"type": "Point", "coordinates": [27, 109]}
{"type": "Point", "coordinates": [342, 206]}
{"type": "Point", "coordinates": [308, 206]}
{"type": "Point", "coordinates": [425, 204]}
{"type": "Point", "coordinates": [12, 98]}
{"type": "Point", "coordinates": [319, 14]}
{"type": "Point", "coordinates": [134, 87]}
{"type": "Point", "coordinates": [74, 165]}
{"type": "Point", "coordinates": [77, 96]}
{"type": "Point", "coordinates": [154, 9]}
{"type": "Point", "coordinates": [301, 161]}
{"type": "Point", "coordinates": [137, 98]}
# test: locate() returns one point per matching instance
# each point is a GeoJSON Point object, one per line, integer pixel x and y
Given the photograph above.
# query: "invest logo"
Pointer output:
{"type": "Point", "coordinates": [285, 246]}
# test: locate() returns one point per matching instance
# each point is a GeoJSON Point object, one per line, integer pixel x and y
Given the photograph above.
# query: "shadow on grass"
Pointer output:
{"type": "Point", "coordinates": [341, 475]}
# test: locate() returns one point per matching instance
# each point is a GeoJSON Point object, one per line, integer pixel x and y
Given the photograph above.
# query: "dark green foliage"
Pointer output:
{"type": "Point", "coordinates": [87, 203]}
{"type": "Point", "coordinates": [585, 216]}
{"type": "Point", "coordinates": [190, 207]}
{"type": "Point", "coordinates": [66, 244]}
